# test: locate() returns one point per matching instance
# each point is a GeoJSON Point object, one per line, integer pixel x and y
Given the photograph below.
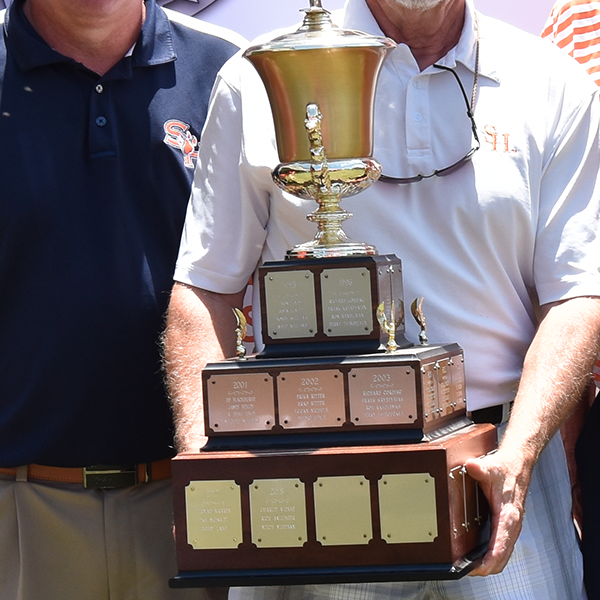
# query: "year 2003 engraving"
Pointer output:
{"type": "Point", "coordinates": [382, 395]}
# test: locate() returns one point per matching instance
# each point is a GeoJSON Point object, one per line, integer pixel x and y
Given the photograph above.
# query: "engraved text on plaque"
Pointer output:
{"type": "Point", "coordinates": [347, 301]}
{"type": "Point", "coordinates": [311, 399]}
{"type": "Point", "coordinates": [291, 308]}
{"type": "Point", "coordinates": [382, 395]}
{"type": "Point", "coordinates": [278, 513]}
{"type": "Point", "coordinates": [240, 402]}
{"type": "Point", "coordinates": [214, 514]}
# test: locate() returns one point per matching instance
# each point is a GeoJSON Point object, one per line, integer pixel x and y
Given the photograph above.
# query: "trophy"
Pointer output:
{"type": "Point", "coordinates": [336, 454]}
{"type": "Point", "coordinates": [321, 87]}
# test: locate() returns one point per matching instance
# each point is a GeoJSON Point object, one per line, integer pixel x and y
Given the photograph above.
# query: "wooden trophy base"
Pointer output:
{"type": "Point", "coordinates": [365, 513]}
{"type": "Point", "coordinates": [404, 397]}
{"type": "Point", "coordinates": [329, 306]}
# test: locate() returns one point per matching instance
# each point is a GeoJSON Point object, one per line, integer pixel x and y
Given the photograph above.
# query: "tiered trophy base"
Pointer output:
{"type": "Point", "coordinates": [334, 401]}
{"type": "Point", "coordinates": [319, 307]}
{"type": "Point", "coordinates": [301, 516]}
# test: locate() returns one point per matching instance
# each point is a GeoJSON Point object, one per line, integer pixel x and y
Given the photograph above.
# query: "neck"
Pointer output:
{"type": "Point", "coordinates": [430, 34]}
{"type": "Point", "coordinates": [96, 33]}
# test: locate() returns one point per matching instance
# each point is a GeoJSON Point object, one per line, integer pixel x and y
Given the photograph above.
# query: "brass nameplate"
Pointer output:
{"type": "Point", "coordinates": [278, 513]}
{"type": "Point", "coordinates": [430, 392]}
{"type": "Point", "coordinates": [347, 301]}
{"type": "Point", "coordinates": [383, 395]}
{"type": "Point", "coordinates": [214, 514]}
{"type": "Point", "coordinates": [343, 510]}
{"type": "Point", "coordinates": [407, 507]}
{"type": "Point", "coordinates": [311, 399]}
{"type": "Point", "coordinates": [444, 385]}
{"type": "Point", "coordinates": [290, 304]}
{"type": "Point", "coordinates": [457, 372]}
{"type": "Point", "coordinates": [240, 402]}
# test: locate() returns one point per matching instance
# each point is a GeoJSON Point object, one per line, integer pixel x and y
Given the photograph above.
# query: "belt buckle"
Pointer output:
{"type": "Point", "coordinates": [106, 477]}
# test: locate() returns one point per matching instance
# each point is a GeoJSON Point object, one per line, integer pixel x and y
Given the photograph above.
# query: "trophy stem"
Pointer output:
{"type": "Point", "coordinates": [330, 240]}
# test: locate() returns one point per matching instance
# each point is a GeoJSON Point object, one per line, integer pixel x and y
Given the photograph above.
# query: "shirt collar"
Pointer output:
{"type": "Point", "coordinates": [357, 16]}
{"type": "Point", "coordinates": [154, 45]}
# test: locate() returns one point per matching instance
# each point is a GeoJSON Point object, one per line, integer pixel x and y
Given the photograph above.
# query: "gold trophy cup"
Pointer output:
{"type": "Point", "coordinates": [337, 454]}
{"type": "Point", "coordinates": [321, 84]}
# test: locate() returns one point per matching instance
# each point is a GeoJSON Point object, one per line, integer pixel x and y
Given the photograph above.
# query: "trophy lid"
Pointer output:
{"type": "Point", "coordinates": [318, 31]}
{"type": "Point", "coordinates": [322, 64]}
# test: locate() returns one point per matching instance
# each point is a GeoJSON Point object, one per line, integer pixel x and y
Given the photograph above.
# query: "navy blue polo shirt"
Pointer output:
{"type": "Point", "coordinates": [95, 174]}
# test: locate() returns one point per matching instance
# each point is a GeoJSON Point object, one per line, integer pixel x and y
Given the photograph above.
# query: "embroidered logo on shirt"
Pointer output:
{"type": "Point", "coordinates": [178, 135]}
{"type": "Point", "coordinates": [499, 142]}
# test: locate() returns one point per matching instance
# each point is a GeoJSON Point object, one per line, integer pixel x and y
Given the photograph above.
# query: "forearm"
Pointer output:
{"type": "Point", "coordinates": [200, 329]}
{"type": "Point", "coordinates": [556, 371]}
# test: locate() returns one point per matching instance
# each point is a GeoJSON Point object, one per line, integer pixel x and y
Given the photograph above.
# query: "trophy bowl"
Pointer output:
{"type": "Point", "coordinates": [321, 83]}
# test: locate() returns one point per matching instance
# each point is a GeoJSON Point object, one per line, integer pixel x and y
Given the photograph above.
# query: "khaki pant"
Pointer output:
{"type": "Point", "coordinates": [63, 542]}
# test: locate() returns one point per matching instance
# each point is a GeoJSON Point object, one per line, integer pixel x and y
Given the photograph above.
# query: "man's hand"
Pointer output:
{"type": "Point", "coordinates": [504, 482]}
{"type": "Point", "coordinates": [556, 371]}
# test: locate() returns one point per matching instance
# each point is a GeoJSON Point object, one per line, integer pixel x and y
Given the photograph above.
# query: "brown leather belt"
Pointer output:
{"type": "Point", "coordinates": [97, 476]}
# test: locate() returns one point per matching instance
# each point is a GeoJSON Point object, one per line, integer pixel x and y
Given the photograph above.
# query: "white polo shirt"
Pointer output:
{"type": "Point", "coordinates": [514, 228]}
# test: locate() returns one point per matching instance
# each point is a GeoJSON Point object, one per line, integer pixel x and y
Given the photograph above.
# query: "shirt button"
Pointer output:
{"type": "Point", "coordinates": [101, 121]}
{"type": "Point", "coordinates": [417, 84]}
{"type": "Point", "coordinates": [418, 117]}
{"type": "Point", "coordinates": [99, 88]}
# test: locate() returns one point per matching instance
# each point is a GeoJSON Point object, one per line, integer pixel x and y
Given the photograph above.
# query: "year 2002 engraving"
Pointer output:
{"type": "Point", "coordinates": [311, 399]}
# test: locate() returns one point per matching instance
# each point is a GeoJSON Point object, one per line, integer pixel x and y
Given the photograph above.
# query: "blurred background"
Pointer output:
{"type": "Point", "coordinates": [253, 17]}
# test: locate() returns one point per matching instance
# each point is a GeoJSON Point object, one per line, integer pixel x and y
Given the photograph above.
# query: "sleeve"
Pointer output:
{"type": "Point", "coordinates": [574, 26]}
{"type": "Point", "coordinates": [566, 260]}
{"type": "Point", "coordinates": [225, 226]}
{"type": "Point", "coordinates": [551, 27]}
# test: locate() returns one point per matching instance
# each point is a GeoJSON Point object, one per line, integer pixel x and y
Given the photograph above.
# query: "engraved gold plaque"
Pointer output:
{"type": "Point", "coordinates": [383, 395]}
{"type": "Point", "coordinates": [430, 397]}
{"type": "Point", "coordinates": [278, 513]}
{"type": "Point", "coordinates": [214, 514]}
{"type": "Point", "coordinates": [311, 399]}
{"type": "Point", "coordinates": [343, 510]}
{"type": "Point", "coordinates": [291, 304]}
{"type": "Point", "coordinates": [240, 402]}
{"type": "Point", "coordinates": [457, 370]}
{"type": "Point", "coordinates": [407, 508]}
{"type": "Point", "coordinates": [444, 385]}
{"type": "Point", "coordinates": [347, 302]}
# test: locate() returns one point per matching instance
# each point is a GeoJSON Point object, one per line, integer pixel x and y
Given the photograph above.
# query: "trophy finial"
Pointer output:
{"type": "Point", "coordinates": [316, 18]}
{"type": "Point", "coordinates": [416, 309]}
{"type": "Point", "coordinates": [240, 333]}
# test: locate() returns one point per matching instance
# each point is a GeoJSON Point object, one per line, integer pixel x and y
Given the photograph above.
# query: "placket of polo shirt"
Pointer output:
{"type": "Point", "coordinates": [418, 122]}
{"type": "Point", "coordinates": [101, 127]}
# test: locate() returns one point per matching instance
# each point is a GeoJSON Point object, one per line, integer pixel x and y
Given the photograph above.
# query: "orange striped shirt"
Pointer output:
{"type": "Point", "coordinates": [574, 25]}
